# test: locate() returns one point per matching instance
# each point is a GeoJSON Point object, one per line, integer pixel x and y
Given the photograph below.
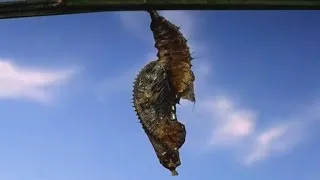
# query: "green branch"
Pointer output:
{"type": "Point", "coordinates": [29, 8]}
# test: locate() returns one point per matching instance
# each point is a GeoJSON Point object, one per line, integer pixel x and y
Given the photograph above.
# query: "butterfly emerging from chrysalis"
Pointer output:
{"type": "Point", "coordinates": [159, 86]}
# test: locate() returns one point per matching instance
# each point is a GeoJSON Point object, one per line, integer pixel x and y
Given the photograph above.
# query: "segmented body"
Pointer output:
{"type": "Point", "coordinates": [167, 157]}
{"type": "Point", "coordinates": [159, 86]}
{"type": "Point", "coordinates": [174, 53]}
{"type": "Point", "coordinates": [154, 102]}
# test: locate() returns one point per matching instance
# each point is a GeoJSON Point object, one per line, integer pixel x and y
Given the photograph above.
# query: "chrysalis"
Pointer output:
{"type": "Point", "coordinates": [159, 87]}
{"type": "Point", "coordinates": [174, 53]}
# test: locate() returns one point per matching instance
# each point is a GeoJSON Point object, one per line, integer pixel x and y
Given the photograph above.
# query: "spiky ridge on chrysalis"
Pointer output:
{"type": "Point", "coordinates": [174, 53]}
{"type": "Point", "coordinates": [155, 102]}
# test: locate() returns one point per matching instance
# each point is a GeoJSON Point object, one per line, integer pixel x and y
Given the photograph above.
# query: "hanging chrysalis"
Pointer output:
{"type": "Point", "coordinates": [159, 87]}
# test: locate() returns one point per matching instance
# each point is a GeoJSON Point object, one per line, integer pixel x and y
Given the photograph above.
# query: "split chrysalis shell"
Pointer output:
{"type": "Point", "coordinates": [174, 53]}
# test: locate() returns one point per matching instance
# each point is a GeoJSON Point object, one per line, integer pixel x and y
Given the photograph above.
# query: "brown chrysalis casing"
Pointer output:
{"type": "Point", "coordinates": [174, 53]}
{"type": "Point", "coordinates": [155, 103]}
{"type": "Point", "coordinates": [159, 87]}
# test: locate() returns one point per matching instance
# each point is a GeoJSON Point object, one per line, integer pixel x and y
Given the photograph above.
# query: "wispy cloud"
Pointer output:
{"type": "Point", "coordinates": [29, 83]}
{"type": "Point", "coordinates": [232, 124]}
{"type": "Point", "coordinates": [266, 142]}
{"type": "Point", "coordinates": [284, 136]}
{"type": "Point", "coordinates": [235, 127]}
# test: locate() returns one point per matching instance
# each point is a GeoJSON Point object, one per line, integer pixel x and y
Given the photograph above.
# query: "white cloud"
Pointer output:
{"type": "Point", "coordinates": [264, 143]}
{"type": "Point", "coordinates": [30, 83]}
{"type": "Point", "coordinates": [284, 136]}
{"type": "Point", "coordinates": [275, 140]}
{"type": "Point", "coordinates": [235, 127]}
{"type": "Point", "coordinates": [231, 124]}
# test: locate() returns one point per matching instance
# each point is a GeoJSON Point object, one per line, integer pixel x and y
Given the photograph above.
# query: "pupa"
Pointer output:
{"type": "Point", "coordinates": [154, 102]}
{"type": "Point", "coordinates": [174, 53]}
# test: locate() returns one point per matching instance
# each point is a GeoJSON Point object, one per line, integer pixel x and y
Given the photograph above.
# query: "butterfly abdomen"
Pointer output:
{"type": "Point", "coordinates": [144, 95]}
{"type": "Point", "coordinates": [154, 102]}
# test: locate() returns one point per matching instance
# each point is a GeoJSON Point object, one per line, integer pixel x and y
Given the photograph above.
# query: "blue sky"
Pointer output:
{"type": "Point", "coordinates": [66, 82]}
